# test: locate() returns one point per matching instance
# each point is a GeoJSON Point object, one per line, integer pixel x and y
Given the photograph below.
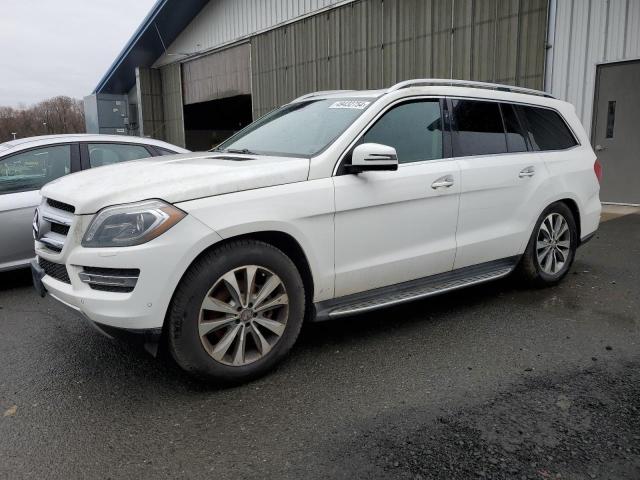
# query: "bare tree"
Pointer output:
{"type": "Point", "coordinates": [56, 115]}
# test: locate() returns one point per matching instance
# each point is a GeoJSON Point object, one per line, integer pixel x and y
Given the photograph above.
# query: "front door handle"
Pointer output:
{"type": "Point", "coordinates": [599, 148]}
{"type": "Point", "coordinates": [530, 171]}
{"type": "Point", "coordinates": [443, 182]}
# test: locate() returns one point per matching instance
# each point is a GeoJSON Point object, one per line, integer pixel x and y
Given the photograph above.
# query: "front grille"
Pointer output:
{"type": "Point", "coordinates": [55, 270]}
{"type": "Point", "coordinates": [59, 228]}
{"type": "Point", "coordinates": [55, 220]}
{"type": "Point", "coordinates": [61, 206]}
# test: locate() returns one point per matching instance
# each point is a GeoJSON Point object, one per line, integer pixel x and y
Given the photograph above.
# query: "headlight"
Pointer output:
{"type": "Point", "coordinates": [131, 224]}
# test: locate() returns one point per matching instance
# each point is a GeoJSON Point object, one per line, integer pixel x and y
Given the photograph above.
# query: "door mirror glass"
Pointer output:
{"type": "Point", "coordinates": [373, 156]}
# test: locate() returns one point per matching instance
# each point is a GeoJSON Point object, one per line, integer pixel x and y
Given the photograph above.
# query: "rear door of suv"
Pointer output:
{"type": "Point", "coordinates": [502, 180]}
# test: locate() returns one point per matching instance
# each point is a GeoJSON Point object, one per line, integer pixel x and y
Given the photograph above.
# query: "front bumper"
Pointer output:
{"type": "Point", "coordinates": [147, 338]}
{"type": "Point", "coordinates": [161, 262]}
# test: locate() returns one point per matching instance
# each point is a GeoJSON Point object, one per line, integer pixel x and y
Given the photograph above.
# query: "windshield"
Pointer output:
{"type": "Point", "coordinates": [300, 129]}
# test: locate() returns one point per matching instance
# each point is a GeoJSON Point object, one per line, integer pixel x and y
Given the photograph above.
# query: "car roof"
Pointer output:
{"type": "Point", "coordinates": [42, 140]}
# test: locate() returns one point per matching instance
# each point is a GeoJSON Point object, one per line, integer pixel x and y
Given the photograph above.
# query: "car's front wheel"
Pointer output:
{"type": "Point", "coordinates": [552, 246]}
{"type": "Point", "coordinates": [237, 312]}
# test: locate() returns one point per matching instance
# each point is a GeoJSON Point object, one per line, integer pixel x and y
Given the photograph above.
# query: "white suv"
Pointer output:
{"type": "Point", "coordinates": [335, 204]}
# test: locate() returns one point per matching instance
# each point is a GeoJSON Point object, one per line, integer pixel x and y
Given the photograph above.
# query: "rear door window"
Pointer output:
{"type": "Point", "coordinates": [516, 135]}
{"type": "Point", "coordinates": [478, 128]}
{"type": "Point", "coordinates": [31, 170]}
{"type": "Point", "coordinates": [101, 154]}
{"type": "Point", "coordinates": [414, 129]}
{"type": "Point", "coordinates": [547, 130]}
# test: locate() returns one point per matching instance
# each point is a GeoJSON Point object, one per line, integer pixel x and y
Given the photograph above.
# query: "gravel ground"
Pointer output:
{"type": "Point", "coordinates": [584, 424]}
{"type": "Point", "coordinates": [496, 381]}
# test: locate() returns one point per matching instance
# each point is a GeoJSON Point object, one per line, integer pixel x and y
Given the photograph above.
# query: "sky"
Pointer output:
{"type": "Point", "coordinates": [61, 47]}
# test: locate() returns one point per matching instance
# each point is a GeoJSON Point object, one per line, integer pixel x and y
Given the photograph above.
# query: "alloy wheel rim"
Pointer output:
{"type": "Point", "coordinates": [243, 315]}
{"type": "Point", "coordinates": [553, 243]}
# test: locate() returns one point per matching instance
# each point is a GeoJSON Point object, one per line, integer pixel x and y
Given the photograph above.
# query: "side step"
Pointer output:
{"type": "Point", "coordinates": [413, 290]}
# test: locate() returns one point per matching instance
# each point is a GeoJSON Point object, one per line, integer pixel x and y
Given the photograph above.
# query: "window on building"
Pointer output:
{"type": "Point", "coordinates": [413, 129]}
{"type": "Point", "coordinates": [109, 153]}
{"type": "Point", "coordinates": [611, 118]}
{"type": "Point", "coordinates": [478, 128]}
{"type": "Point", "coordinates": [33, 169]}
{"type": "Point", "coordinates": [547, 130]}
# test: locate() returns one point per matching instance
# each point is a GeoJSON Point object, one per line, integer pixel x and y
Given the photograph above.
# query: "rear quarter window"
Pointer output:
{"type": "Point", "coordinates": [546, 128]}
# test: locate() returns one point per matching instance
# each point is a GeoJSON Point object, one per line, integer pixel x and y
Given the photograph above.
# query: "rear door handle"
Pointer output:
{"type": "Point", "coordinates": [530, 171]}
{"type": "Point", "coordinates": [443, 182]}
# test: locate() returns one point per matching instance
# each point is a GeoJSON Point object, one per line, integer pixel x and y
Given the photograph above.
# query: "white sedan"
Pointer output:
{"type": "Point", "coordinates": [27, 164]}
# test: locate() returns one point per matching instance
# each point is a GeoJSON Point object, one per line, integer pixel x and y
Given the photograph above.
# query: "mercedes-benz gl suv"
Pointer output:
{"type": "Point", "coordinates": [336, 204]}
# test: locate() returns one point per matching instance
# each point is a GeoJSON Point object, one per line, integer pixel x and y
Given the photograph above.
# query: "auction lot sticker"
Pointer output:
{"type": "Point", "coordinates": [354, 104]}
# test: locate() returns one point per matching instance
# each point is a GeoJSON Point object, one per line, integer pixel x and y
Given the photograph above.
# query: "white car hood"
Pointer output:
{"type": "Point", "coordinates": [173, 178]}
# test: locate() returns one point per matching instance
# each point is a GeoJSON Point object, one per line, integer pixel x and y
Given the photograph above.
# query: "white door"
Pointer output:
{"type": "Point", "coordinates": [392, 227]}
{"type": "Point", "coordinates": [503, 184]}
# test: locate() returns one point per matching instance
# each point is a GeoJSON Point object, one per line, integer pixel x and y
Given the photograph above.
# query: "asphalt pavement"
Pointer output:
{"type": "Point", "coordinates": [496, 381]}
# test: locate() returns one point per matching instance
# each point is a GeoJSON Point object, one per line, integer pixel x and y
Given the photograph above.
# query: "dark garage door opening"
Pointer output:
{"type": "Point", "coordinates": [207, 124]}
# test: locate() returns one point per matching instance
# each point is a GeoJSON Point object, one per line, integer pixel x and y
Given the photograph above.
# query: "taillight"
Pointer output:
{"type": "Point", "coordinates": [597, 167]}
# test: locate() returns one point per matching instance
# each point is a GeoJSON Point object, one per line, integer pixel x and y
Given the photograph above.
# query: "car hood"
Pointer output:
{"type": "Point", "coordinates": [173, 178]}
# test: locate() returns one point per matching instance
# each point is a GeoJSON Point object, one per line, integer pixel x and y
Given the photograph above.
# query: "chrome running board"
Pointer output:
{"type": "Point", "coordinates": [414, 290]}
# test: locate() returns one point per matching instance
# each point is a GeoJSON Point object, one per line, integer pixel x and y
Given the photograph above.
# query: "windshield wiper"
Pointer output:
{"type": "Point", "coordinates": [244, 151]}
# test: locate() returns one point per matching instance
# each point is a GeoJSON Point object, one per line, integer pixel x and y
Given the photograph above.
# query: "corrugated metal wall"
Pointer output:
{"type": "Point", "coordinates": [218, 75]}
{"type": "Point", "coordinates": [224, 21]}
{"type": "Point", "coordinates": [376, 43]}
{"type": "Point", "coordinates": [589, 32]}
{"type": "Point", "coordinates": [172, 104]}
{"type": "Point", "coordinates": [150, 109]}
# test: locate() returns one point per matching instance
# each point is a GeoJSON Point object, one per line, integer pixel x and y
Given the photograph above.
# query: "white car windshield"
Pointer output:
{"type": "Point", "coordinates": [300, 129]}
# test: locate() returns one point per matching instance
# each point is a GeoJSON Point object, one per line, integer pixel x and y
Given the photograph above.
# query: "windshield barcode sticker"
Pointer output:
{"type": "Point", "coordinates": [358, 105]}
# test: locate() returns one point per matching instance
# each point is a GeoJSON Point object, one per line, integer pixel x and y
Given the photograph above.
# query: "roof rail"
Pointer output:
{"type": "Point", "coordinates": [466, 83]}
{"type": "Point", "coordinates": [317, 94]}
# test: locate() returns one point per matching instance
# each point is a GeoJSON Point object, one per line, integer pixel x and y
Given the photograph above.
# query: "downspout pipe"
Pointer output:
{"type": "Point", "coordinates": [550, 45]}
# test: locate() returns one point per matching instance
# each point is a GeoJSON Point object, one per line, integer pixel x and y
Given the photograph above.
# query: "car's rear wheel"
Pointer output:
{"type": "Point", "coordinates": [552, 246]}
{"type": "Point", "coordinates": [237, 312]}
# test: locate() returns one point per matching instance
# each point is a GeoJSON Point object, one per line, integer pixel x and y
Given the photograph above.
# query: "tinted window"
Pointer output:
{"type": "Point", "coordinates": [31, 170]}
{"type": "Point", "coordinates": [478, 128]}
{"type": "Point", "coordinates": [164, 151]}
{"type": "Point", "coordinates": [515, 134]}
{"type": "Point", "coordinates": [546, 128]}
{"type": "Point", "coordinates": [413, 129]}
{"type": "Point", "coordinates": [300, 129]}
{"type": "Point", "coordinates": [108, 153]}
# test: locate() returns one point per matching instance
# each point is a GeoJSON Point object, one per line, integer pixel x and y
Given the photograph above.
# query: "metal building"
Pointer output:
{"type": "Point", "coordinates": [195, 72]}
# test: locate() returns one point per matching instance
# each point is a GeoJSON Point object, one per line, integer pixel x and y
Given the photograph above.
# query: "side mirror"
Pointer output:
{"type": "Point", "coordinates": [371, 157]}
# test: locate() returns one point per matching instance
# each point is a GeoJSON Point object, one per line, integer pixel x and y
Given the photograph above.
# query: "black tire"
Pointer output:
{"type": "Point", "coordinates": [184, 340]}
{"type": "Point", "coordinates": [530, 268]}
